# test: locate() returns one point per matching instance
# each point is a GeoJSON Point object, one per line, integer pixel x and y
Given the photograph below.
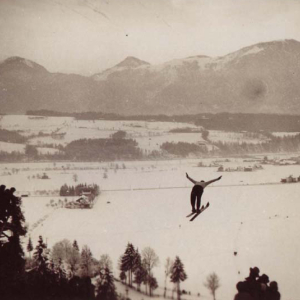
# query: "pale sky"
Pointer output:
{"type": "Point", "coordinates": [88, 36]}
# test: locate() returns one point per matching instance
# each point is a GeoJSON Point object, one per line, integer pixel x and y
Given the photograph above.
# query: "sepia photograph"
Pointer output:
{"type": "Point", "coordinates": [149, 149]}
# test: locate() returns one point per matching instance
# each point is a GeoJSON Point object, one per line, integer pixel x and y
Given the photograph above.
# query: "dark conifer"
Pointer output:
{"type": "Point", "coordinates": [12, 228]}
{"type": "Point", "coordinates": [29, 247]}
{"type": "Point", "coordinates": [178, 274]}
{"type": "Point", "coordinates": [106, 289]}
{"type": "Point", "coordinates": [128, 261]}
{"type": "Point", "coordinates": [75, 245]}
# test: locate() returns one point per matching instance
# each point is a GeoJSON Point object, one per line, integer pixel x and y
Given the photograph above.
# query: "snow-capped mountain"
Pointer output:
{"type": "Point", "coordinates": [262, 78]}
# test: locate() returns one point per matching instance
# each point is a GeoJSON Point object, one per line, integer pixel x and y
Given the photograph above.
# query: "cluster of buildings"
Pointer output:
{"type": "Point", "coordinates": [240, 169]}
{"type": "Point", "coordinates": [86, 200]}
{"type": "Point", "coordinates": [290, 179]}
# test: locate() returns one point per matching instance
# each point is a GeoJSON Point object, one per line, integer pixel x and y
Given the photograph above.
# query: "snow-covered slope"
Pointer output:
{"type": "Point", "coordinates": [258, 221]}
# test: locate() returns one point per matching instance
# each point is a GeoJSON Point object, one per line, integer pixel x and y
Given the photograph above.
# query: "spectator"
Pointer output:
{"type": "Point", "coordinates": [263, 280]}
{"type": "Point", "coordinates": [243, 293]}
{"type": "Point", "coordinates": [272, 292]}
{"type": "Point", "coordinates": [252, 284]}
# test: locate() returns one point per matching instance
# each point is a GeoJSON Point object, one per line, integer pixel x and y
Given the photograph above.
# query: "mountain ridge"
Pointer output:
{"type": "Point", "coordinates": [260, 78]}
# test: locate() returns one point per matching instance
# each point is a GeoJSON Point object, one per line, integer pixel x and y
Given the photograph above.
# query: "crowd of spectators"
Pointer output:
{"type": "Point", "coordinates": [257, 287]}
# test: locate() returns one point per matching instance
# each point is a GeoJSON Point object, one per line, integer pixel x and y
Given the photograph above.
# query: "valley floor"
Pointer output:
{"type": "Point", "coordinates": [258, 222]}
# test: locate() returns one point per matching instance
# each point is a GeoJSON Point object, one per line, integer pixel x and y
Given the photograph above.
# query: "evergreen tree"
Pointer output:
{"type": "Point", "coordinates": [178, 274]}
{"type": "Point", "coordinates": [41, 257]}
{"type": "Point", "coordinates": [152, 284]}
{"type": "Point", "coordinates": [12, 228]}
{"type": "Point", "coordinates": [106, 289]}
{"type": "Point", "coordinates": [86, 260]}
{"type": "Point", "coordinates": [75, 245]}
{"type": "Point", "coordinates": [73, 258]}
{"type": "Point", "coordinates": [73, 261]}
{"type": "Point", "coordinates": [140, 272]}
{"type": "Point", "coordinates": [128, 261]}
{"type": "Point", "coordinates": [61, 272]}
{"type": "Point", "coordinates": [29, 247]}
{"type": "Point", "coordinates": [123, 276]}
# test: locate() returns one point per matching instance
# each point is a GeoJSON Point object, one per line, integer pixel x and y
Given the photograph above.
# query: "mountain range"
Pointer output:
{"type": "Point", "coordinates": [262, 78]}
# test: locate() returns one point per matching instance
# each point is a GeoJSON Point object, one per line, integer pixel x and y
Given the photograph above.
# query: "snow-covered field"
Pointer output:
{"type": "Point", "coordinates": [146, 203]}
{"type": "Point", "coordinates": [149, 135]}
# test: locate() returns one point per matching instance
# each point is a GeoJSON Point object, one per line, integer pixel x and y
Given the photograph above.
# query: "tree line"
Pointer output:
{"type": "Point", "coordinates": [116, 147]}
{"type": "Point", "coordinates": [10, 136]}
{"type": "Point", "coordinates": [219, 121]}
{"type": "Point", "coordinates": [274, 145]}
{"type": "Point", "coordinates": [183, 149]}
{"type": "Point", "coordinates": [66, 190]}
{"type": "Point", "coordinates": [65, 272]}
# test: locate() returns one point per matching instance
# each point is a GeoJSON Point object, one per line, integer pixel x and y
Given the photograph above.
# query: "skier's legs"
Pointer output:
{"type": "Point", "coordinates": [199, 195]}
{"type": "Point", "coordinates": [193, 200]}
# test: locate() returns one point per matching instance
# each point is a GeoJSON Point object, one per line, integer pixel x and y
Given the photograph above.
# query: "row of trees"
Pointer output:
{"type": "Point", "coordinates": [102, 149]}
{"type": "Point", "coordinates": [10, 136]}
{"type": "Point", "coordinates": [211, 121]}
{"type": "Point", "coordinates": [67, 190]}
{"type": "Point", "coordinates": [61, 273]}
{"type": "Point", "coordinates": [183, 149]}
{"type": "Point", "coordinates": [65, 272]}
{"type": "Point", "coordinates": [138, 267]}
{"type": "Point", "coordinates": [274, 145]}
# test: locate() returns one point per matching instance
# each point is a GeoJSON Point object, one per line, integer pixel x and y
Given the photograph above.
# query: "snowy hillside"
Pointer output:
{"type": "Point", "coordinates": [251, 214]}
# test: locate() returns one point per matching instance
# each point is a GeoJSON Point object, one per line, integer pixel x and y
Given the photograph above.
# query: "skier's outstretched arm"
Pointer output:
{"type": "Point", "coordinates": [190, 179]}
{"type": "Point", "coordinates": [213, 180]}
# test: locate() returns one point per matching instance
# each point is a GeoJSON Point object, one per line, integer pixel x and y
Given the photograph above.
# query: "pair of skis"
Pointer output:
{"type": "Point", "coordinates": [196, 214]}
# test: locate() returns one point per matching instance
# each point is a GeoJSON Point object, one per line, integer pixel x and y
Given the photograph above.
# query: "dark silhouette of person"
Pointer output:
{"type": "Point", "coordinates": [197, 191]}
{"type": "Point", "coordinates": [243, 293]}
{"type": "Point", "coordinates": [263, 280]}
{"type": "Point", "coordinates": [272, 291]}
{"type": "Point", "coordinates": [252, 284]}
{"type": "Point", "coordinates": [3, 202]}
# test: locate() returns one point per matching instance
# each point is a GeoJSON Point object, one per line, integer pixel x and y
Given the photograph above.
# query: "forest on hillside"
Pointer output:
{"type": "Point", "coordinates": [220, 121]}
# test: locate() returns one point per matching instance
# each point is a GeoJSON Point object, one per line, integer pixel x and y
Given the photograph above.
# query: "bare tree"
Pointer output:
{"type": "Point", "coordinates": [105, 263]}
{"type": "Point", "coordinates": [150, 260]}
{"type": "Point", "coordinates": [168, 270]}
{"type": "Point", "coordinates": [61, 250]}
{"type": "Point", "coordinates": [212, 284]}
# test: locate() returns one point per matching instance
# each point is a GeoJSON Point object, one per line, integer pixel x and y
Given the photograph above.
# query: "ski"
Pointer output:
{"type": "Point", "coordinates": [189, 215]}
{"type": "Point", "coordinates": [197, 214]}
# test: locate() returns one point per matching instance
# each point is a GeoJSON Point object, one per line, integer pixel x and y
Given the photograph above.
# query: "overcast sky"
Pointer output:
{"type": "Point", "coordinates": [88, 36]}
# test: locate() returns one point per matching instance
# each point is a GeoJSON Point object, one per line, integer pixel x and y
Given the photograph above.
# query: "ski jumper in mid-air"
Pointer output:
{"type": "Point", "coordinates": [197, 191]}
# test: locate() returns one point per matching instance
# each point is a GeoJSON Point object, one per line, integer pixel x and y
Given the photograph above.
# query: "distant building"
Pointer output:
{"type": "Point", "coordinates": [248, 169]}
{"type": "Point", "coordinates": [221, 169]}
